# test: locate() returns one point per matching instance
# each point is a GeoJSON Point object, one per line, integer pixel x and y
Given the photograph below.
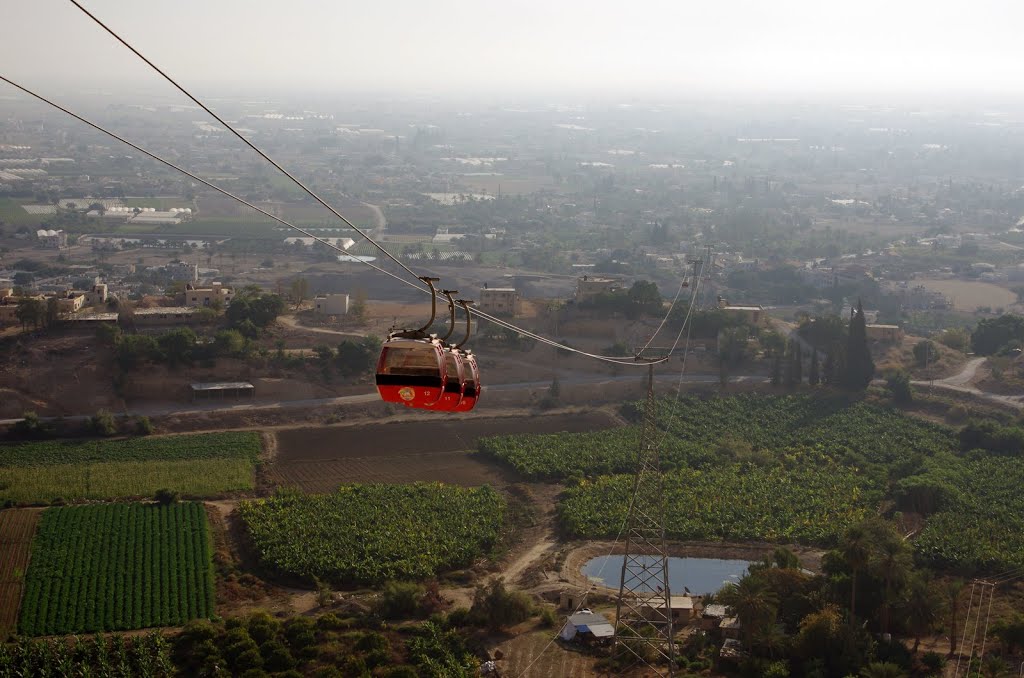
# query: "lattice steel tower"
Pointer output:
{"type": "Point", "coordinates": [643, 612]}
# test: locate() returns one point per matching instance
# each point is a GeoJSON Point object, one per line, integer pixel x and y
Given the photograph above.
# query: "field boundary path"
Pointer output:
{"type": "Point", "coordinates": [17, 528]}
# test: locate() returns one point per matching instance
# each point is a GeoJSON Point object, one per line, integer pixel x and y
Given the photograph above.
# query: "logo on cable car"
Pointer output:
{"type": "Point", "coordinates": [407, 393]}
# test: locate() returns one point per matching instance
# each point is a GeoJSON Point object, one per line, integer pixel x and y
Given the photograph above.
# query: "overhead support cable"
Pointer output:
{"type": "Point", "coordinates": [480, 314]}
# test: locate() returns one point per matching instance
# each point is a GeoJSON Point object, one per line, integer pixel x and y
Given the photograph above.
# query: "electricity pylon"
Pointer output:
{"type": "Point", "coordinates": [643, 612]}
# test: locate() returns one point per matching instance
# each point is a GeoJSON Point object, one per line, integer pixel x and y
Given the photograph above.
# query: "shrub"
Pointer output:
{"type": "Point", "coordinates": [956, 413]}
{"type": "Point", "coordinates": [166, 497]}
{"type": "Point", "coordinates": [399, 600]}
{"type": "Point", "coordinates": [496, 607]}
{"type": "Point", "coordinates": [143, 426]}
{"type": "Point", "coordinates": [934, 662]}
{"type": "Point", "coordinates": [102, 423]}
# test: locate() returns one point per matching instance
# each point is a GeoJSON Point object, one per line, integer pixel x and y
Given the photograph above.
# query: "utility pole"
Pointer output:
{"type": "Point", "coordinates": [643, 611]}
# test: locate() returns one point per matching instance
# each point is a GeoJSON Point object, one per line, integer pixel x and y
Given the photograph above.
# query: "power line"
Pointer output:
{"type": "Point", "coordinates": [480, 314]}
{"type": "Point", "coordinates": [248, 143]}
{"type": "Point", "coordinates": [324, 203]}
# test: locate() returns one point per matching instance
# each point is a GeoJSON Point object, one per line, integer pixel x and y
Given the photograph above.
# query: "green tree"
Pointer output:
{"type": "Point", "coordinates": [228, 342]}
{"type": "Point", "coordinates": [776, 377]}
{"type": "Point", "coordinates": [30, 312]}
{"type": "Point", "coordinates": [893, 562]}
{"type": "Point", "coordinates": [178, 345]}
{"type": "Point", "coordinates": [860, 367]}
{"type": "Point", "coordinates": [992, 334]}
{"type": "Point", "coordinates": [754, 603]}
{"type": "Point", "coordinates": [925, 353]}
{"type": "Point", "coordinates": [496, 607]}
{"type": "Point", "coordinates": [856, 550]}
{"type": "Point", "coordinates": [898, 383]}
{"type": "Point", "coordinates": [299, 290]}
{"type": "Point", "coordinates": [951, 593]}
{"type": "Point", "coordinates": [920, 607]}
{"type": "Point", "coordinates": [882, 670]}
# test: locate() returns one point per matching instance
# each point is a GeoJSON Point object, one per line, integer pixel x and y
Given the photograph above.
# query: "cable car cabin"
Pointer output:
{"type": "Point", "coordinates": [412, 372]}
{"type": "Point", "coordinates": [455, 384]}
{"type": "Point", "coordinates": [471, 391]}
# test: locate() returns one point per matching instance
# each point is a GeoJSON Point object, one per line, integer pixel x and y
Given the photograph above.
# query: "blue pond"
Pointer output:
{"type": "Point", "coordinates": [700, 575]}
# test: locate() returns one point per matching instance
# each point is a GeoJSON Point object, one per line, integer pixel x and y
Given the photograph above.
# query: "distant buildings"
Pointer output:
{"type": "Point", "coordinates": [330, 304]}
{"type": "Point", "coordinates": [500, 301]}
{"type": "Point", "coordinates": [52, 240]}
{"type": "Point", "coordinates": [216, 294]}
{"type": "Point", "coordinates": [590, 286]}
{"type": "Point", "coordinates": [884, 333]}
{"type": "Point", "coordinates": [751, 315]}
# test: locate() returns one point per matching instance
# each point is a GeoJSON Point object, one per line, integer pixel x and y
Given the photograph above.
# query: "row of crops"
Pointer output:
{"type": "Point", "coordinates": [147, 656]}
{"type": "Point", "coordinates": [789, 469]}
{"type": "Point", "coordinates": [372, 533]}
{"type": "Point", "coordinates": [195, 465]}
{"type": "Point", "coordinates": [116, 567]}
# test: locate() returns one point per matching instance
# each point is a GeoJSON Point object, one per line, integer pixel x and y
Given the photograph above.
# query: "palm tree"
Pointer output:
{"type": "Point", "coordinates": [753, 602]}
{"type": "Point", "coordinates": [952, 594]}
{"type": "Point", "coordinates": [894, 561]}
{"type": "Point", "coordinates": [920, 607]}
{"type": "Point", "coordinates": [882, 670]}
{"type": "Point", "coordinates": [856, 549]}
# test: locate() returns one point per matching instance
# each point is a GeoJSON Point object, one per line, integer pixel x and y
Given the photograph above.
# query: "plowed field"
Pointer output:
{"type": "Point", "coordinates": [17, 527]}
{"type": "Point", "coordinates": [319, 459]}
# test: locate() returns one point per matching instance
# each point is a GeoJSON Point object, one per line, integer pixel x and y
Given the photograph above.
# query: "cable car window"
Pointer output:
{"type": "Point", "coordinates": [416, 362]}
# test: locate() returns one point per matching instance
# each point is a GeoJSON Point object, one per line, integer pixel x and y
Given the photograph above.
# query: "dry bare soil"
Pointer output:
{"type": "Point", "coordinates": [319, 459]}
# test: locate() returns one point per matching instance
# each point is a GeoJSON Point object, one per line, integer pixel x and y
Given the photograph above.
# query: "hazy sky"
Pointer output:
{"type": "Point", "coordinates": [661, 48]}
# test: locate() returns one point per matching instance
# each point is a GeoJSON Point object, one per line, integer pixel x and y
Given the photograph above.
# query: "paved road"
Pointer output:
{"type": "Point", "coordinates": [954, 383]}
{"type": "Point", "coordinates": [371, 396]}
{"type": "Point", "coordinates": [291, 322]}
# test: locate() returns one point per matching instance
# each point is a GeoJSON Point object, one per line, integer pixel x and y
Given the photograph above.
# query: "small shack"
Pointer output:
{"type": "Point", "coordinates": [681, 606]}
{"type": "Point", "coordinates": [588, 627]}
{"type": "Point", "coordinates": [222, 389]}
{"type": "Point", "coordinates": [730, 628]}
{"type": "Point", "coordinates": [712, 617]}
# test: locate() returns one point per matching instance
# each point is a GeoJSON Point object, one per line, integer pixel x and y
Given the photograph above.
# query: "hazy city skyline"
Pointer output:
{"type": "Point", "coordinates": [662, 48]}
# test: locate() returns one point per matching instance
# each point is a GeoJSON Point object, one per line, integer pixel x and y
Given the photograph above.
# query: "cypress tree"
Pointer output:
{"type": "Point", "coordinates": [776, 369]}
{"type": "Point", "coordinates": [812, 377]}
{"type": "Point", "coordinates": [860, 367]}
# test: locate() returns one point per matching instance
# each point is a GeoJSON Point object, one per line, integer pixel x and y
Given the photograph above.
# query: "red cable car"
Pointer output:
{"type": "Point", "coordinates": [417, 369]}
{"type": "Point", "coordinates": [455, 383]}
{"type": "Point", "coordinates": [472, 389]}
{"type": "Point", "coordinates": [411, 372]}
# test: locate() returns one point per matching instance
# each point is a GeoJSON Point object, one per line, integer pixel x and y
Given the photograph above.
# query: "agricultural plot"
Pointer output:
{"type": "Point", "coordinates": [734, 502]}
{"type": "Point", "coordinates": [17, 527]}
{"type": "Point", "coordinates": [790, 469]}
{"type": "Point", "coordinates": [115, 655]}
{"type": "Point", "coordinates": [320, 459]}
{"type": "Point", "coordinates": [195, 465]}
{"type": "Point", "coordinates": [365, 534]}
{"type": "Point", "coordinates": [116, 567]}
{"type": "Point", "coordinates": [857, 434]}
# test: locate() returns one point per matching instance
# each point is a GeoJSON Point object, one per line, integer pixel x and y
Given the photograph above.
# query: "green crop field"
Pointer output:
{"type": "Point", "coordinates": [790, 469]}
{"type": "Point", "coordinates": [195, 465]}
{"type": "Point", "coordinates": [365, 534]}
{"type": "Point", "coordinates": [114, 655]}
{"type": "Point", "coordinates": [12, 213]}
{"type": "Point", "coordinates": [117, 566]}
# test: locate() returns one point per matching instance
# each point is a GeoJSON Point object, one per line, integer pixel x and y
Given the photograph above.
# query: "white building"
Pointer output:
{"type": "Point", "coordinates": [331, 304]}
{"type": "Point", "coordinates": [54, 240]}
